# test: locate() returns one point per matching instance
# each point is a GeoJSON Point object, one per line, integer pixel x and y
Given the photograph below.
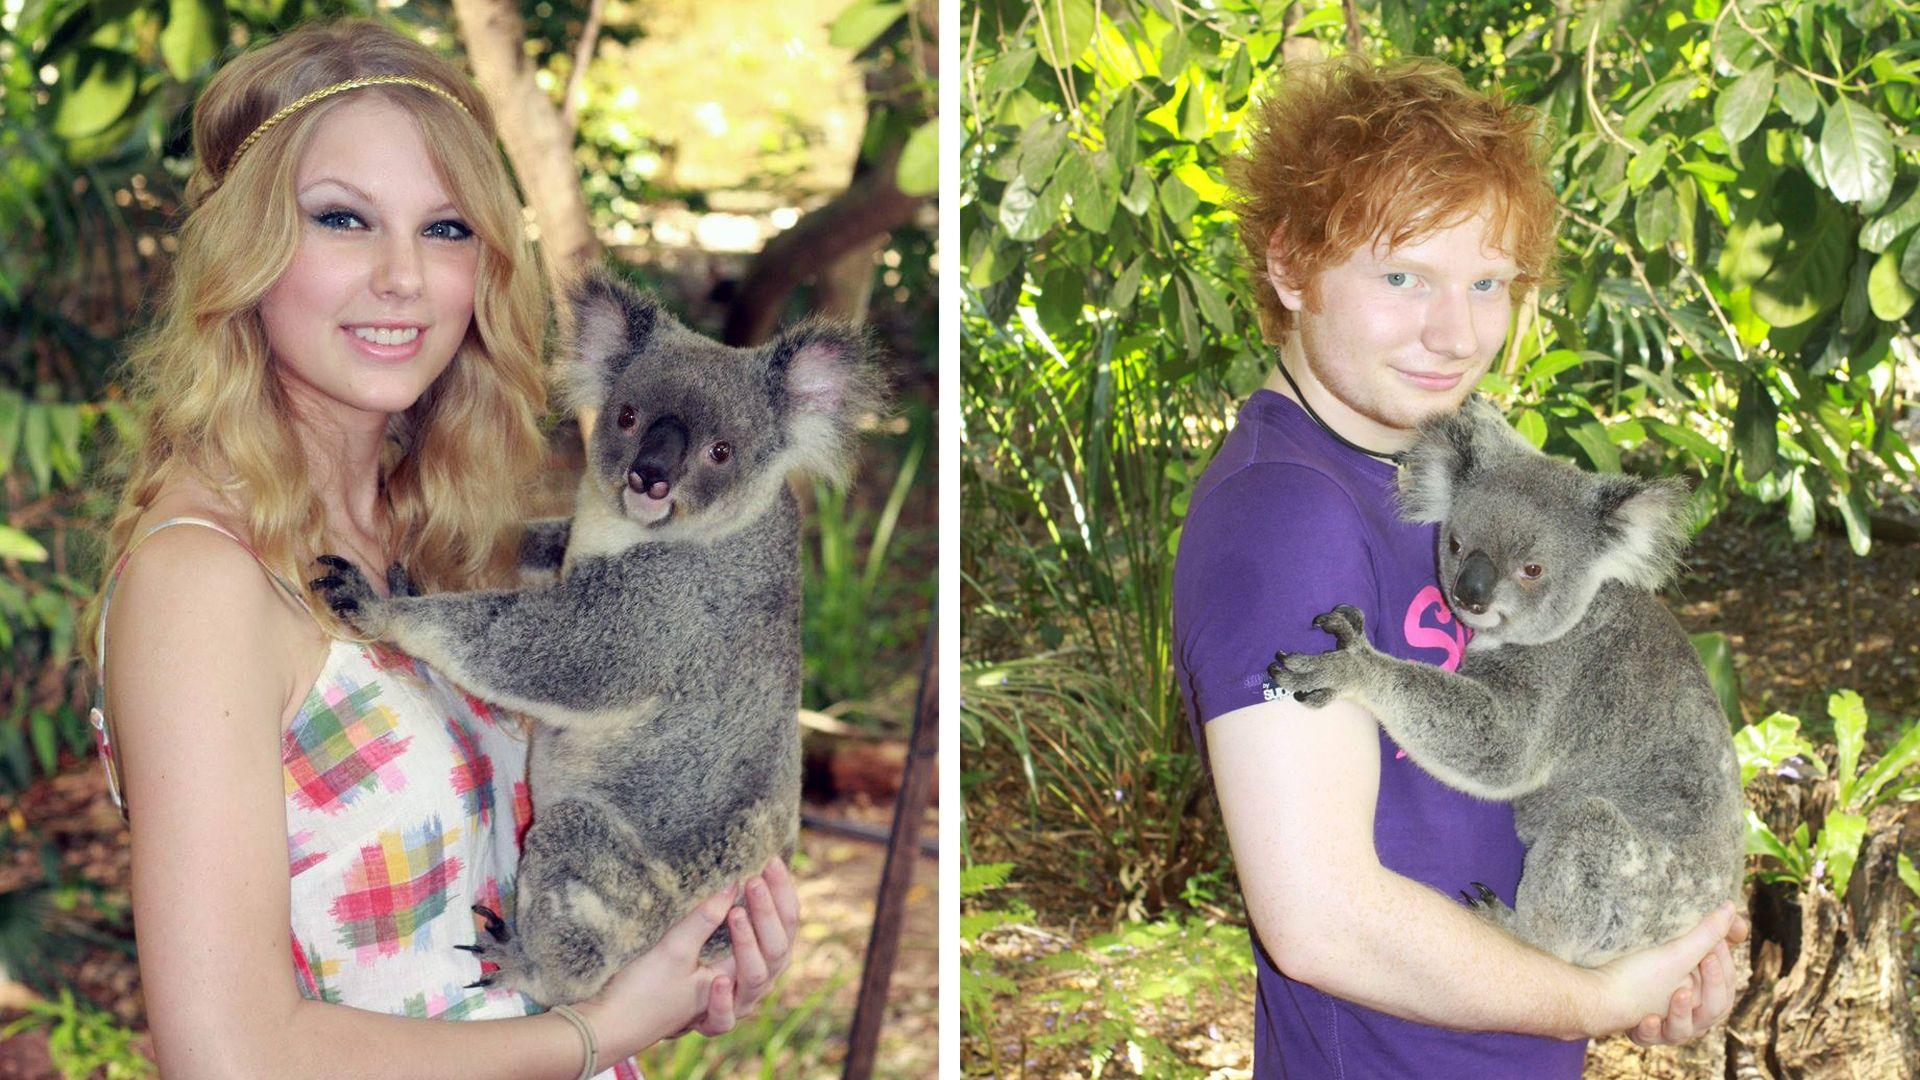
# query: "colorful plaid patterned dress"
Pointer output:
{"type": "Point", "coordinates": [406, 803]}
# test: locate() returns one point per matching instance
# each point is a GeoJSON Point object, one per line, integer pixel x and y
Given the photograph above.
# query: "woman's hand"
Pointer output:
{"type": "Point", "coordinates": [762, 945]}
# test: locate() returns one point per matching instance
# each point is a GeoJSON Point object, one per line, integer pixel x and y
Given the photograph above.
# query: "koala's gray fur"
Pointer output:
{"type": "Point", "coordinates": [1580, 699]}
{"type": "Point", "coordinates": [663, 662]}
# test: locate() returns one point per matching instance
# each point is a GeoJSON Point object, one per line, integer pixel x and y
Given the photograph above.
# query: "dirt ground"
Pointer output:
{"type": "Point", "coordinates": [838, 882]}
{"type": "Point", "coordinates": [1802, 621]}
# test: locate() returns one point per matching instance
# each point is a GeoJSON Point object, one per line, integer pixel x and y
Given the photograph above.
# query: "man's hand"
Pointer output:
{"type": "Point", "coordinates": [1703, 1003]}
{"type": "Point", "coordinates": [1635, 987]}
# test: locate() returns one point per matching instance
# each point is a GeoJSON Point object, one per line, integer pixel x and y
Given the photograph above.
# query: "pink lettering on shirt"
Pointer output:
{"type": "Point", "coordinates": [1450, 636]}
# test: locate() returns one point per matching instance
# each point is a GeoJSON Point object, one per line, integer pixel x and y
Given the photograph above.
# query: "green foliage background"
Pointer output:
{"type": "Point", "coordinates": [1740, 277]}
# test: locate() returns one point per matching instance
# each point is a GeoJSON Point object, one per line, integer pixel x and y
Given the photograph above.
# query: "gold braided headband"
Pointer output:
{"type": "Point", "coordinates": [329, 91]}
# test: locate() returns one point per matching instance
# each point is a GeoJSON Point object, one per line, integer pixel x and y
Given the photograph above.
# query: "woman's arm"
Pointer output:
{"type": "Point", "coordinates": [1297, 788]}
{"type": "Point", "coordinates": [205, 659]}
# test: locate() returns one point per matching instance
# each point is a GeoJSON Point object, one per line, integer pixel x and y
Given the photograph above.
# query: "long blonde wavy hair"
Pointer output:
{"type": "Point", "coordinates": [459, 463]}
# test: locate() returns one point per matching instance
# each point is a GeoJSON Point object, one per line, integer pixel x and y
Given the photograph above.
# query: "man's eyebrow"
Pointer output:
{"type": "Point", "coordinates": [1499, 269]}
{"type": "Point", "coordinates": [443, 208]}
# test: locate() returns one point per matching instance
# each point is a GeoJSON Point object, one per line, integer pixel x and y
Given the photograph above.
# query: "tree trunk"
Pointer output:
{"type": "Point", "coordinates": [1827, 996]}
{"type": "Point", "coordinates": [539, 141]}
{"type": "Point", "coordinates": [871, 207]}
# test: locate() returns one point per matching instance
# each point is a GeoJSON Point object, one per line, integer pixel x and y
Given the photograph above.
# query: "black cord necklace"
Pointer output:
{"type": "Point", "coordinates": [1391, 459]}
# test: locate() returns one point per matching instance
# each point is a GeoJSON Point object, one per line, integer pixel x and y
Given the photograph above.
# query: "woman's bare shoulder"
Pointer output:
{"type": "Point", "coordinates": [188, 591]}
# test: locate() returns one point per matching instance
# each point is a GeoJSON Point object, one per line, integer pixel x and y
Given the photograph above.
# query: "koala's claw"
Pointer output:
{"type": "Point", "coordinates": [1486, 898]}
{"type": "Point", "coordinates": [1293, 671]}
{"type": "Point", "coordinates": [496, 926]}
{"type": "Point", "coordinates": [346, 592]}
{"type": "Point", "coordinates": [1345, 623]}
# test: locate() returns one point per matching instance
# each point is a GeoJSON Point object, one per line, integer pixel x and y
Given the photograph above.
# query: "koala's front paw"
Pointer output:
{"type": "Point", "coordinates": [1312, 678]}
{"type": "Point", "coordinates": [346, 591]}
{"type": "Point", "coordinates": [1346, 624]}
{"type": "Point", "coordinates": [1488, 905]}
{"type": "Point", "coordinates": [398, 583]}
{"type": "Point", "coordinates": [512, 969]}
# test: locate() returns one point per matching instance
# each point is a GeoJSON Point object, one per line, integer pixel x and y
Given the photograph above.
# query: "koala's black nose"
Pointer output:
{"type": "Point", "coordinates": [657, 463]}
{"type": "Point", "coordinates": [1473, 588]}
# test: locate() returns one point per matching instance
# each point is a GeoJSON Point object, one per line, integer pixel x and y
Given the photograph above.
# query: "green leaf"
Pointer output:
{"type": "Point", "coordinates": [101, 85]}
{"type": "Point", "coordinates": [1849, 715]}
{"type": "Point", "coordinates": [1798, 97]}
{"type": "Point", "coordinates": [1888, 294]}
{"type": "Point", "coordinates": [1710, 171]}
{"type": "Point", "coordinates": [1091, 184]}
{"type": "Point", "coordinates": [862, 22]}
{"type": "Point", "coordinates": [46, 746]}
{"type": "Point", "coordinates": [1532, 427]}
{"type": "Point", "coordinates": [1879, 234]}
{"type": "Point", "coordinates": [1644, 167]}
{"type": "Point", "coordinates": [1755, 430]}
{"type": "Point", "coordinates": [1717, 657]}
{"type": "Point", "coordinates": [1656, 217]}
{"type": "Point", "coordinates": [15, 544]}
{"type": "Point", "coordinates": [1839, 846]}
{"type": "Point", "coordinates": [1856, 153]}
{"type": "Point", "coordinates": [1026, 214]}
{"type": "Point", "coordinates": [1800, 508]}
{"type": "Point", "coordinates": [1853, 514]}
{"type": "Point", "coordinates": [195, 31]}
{"type": "Point", "coordinates": [918, 171]}
{"type": "Point", "coordinates": [1008, 71]}
{"type": "Point", "coordinates": [35, 439]}
{"type": "Point", "coordinates": [1177, 199]}
{"type": "Point", "coordinates": [1122, 138]}
{"type": "Point", "coordinates": [1212, 304]}
{"type": "Point", "coordinates": [1754, 240]}
{"type": "Point", "coordinates": [1139, 194]}
{"type": "Point", "coordinates": [1697, 446]}
{"type": "Point", "coordinates": [1909, 273]}
{"type": "Point", "coordinates": [1763, 746]}
{"type": "Point", "coordinates": [1066, 29]}
{"type": "Point", "coordinates": [1740, 108]}
{"type": "Point", "coordinates": [1127, 287]}
{"type": "Point", "coordinates": [1041, 146]}
{"type": "Point", "coordinates": [1761, 841]}
{"type": "Point", "coordinates": [1904, 867]}
{"type": "Point", "coordinates": [12, 412]}
{"type": "Point", "coordinates": [1896, 762]}
{"type": "Point", "coordinates": [1592, 438]}
{"type": "Point", "coordinates": [1542, 370]}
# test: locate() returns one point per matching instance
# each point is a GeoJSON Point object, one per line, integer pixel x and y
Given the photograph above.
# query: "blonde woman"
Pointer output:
{"type": "Point", "coordinates": [347, 361]}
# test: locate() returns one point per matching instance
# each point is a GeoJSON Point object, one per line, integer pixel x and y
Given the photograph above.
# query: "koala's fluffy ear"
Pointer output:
{"type": "Point", "coordinates": [1645, 524]}
{"type": "Point", "coordinates": [612, 323]}
{"type": "Point", "coordinates": [822, 377]}
{"type": "Point", "coordinates": [1446, 451]}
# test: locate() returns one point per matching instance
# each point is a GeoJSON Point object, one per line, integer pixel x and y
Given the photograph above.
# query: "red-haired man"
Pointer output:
{"type": "Point", "coordinates": [1395, 218]}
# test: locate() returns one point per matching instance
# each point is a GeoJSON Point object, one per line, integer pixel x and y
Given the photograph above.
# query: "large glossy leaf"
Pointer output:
{"type": "Point", "coordinates": [1856, 153]}
{"type": "Point", "coordinates": [15, 544]}
{"type": "Point", "coordinates": [918, 172]}
{"type": "Point", "coordinates": [1027, 214]}
{"type": "Point", "coordinates": [1798, 99]}
{"type": "Point", "coordinates": [1755, 432]}
{"type": "Point", "coordinates": [1740, 107]}
{"type": "Point", "coordinates": [1880, 233]}
{"type": "Point", "coordinates": [1849, 714]}
{"type": "Point", "coordinates": [195, 31]}
{"type": "Point", "coordinates": [1065, 30]}
{"type": "Point", "coordinates": [99, 86]}
{"type": "Point", "coordinates": [1887, 292]}
{"type": "Point", "coordinates": [857, 26]}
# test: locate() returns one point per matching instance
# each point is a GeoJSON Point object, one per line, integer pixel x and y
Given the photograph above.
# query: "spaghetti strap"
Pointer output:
{"type": "Point", "coordinates": [102, 736]}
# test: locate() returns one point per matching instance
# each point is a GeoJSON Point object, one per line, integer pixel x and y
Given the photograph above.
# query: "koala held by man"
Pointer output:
{"type": "Point", "coordinates": [662, 661]}
{"type": "Point", "coordinates": [1580, 699]}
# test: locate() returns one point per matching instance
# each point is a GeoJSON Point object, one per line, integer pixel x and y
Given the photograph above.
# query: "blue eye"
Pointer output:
{"type": "Point", "coordinates": [449, 230]}
{"type": "Point", "coordinates": [339, 219]}
{"type": "Point", "coordinates": [1397, 279]}
{"type": "Point", "coordinates": [1488, 285]}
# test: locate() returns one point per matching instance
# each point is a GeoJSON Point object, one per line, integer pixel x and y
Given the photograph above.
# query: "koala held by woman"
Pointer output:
{"type": "Point", "coordinates": [662, 662]}
{"type": "Point", "coordinates": [1580, 699]}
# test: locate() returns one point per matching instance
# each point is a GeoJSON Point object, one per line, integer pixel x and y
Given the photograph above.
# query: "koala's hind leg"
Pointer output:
{"type": "Point", "coordinates": [1587, 890]}
{"type": "Point", "coordinates": [586, 902]}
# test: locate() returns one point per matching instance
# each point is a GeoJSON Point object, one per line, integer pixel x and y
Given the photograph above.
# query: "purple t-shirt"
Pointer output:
{"type": "Point", "coordinates": [1285, 524]}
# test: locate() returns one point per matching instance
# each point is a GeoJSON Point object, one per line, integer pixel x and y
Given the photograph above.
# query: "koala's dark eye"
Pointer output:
{"type": "Point", "coordinates": [1453, 545]}
{"type": "Point", "coordinates": [627, 418]}
{"type": "Point", "coordinates": [720, 452]}
{"type": "Point", "coordinates": [1532, 570]}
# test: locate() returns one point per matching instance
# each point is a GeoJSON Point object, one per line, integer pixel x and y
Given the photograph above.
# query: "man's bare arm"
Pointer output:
{"type": "Point", "coordinates": [1297, 788]}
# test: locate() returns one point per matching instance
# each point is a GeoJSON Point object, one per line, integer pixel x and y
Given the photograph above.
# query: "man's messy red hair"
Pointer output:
{"type": "Point", "coordinates": [1342, 155]}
